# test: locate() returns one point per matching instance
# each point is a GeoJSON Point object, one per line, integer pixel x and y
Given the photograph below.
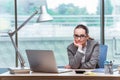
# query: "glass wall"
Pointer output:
{"type": "Point", "coordinates": [112, 31]}
{"type": "Point", "coordinates": [56, 35]}
{"type": "Point", "coordinates": [7, 53]}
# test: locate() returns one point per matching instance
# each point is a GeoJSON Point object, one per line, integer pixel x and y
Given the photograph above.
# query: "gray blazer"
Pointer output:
{"type": "Point", "coordinates": [91, 56]}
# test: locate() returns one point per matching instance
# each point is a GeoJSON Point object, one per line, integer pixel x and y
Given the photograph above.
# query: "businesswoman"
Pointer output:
{"type": "Point", "coordinates": [83, 53]}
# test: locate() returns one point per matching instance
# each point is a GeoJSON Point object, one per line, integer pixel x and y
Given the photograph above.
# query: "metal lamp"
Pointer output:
{"type": "Point", "coordinates": [44, 16]}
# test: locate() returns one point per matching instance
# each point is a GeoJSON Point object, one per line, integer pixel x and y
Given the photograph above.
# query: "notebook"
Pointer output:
{"type": "Point", "coordinates": [43, 61]}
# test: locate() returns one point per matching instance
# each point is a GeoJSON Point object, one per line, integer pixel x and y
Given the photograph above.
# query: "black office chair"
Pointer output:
{"type": "Point", "coordinates": [103, 55]}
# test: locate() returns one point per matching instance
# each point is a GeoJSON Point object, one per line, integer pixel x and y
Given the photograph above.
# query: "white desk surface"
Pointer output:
{"type": "Point", "coordinates": [60, 76]}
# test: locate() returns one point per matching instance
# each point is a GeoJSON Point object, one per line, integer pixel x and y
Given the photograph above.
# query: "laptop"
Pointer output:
{"type": "Point", "coordinates": [43, 61]}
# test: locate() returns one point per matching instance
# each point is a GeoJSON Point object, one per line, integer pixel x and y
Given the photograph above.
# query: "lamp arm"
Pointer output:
{"type": "Point", "coordinates": [24, 23]}
{"type": "Point", "coordinates": [21, 59]}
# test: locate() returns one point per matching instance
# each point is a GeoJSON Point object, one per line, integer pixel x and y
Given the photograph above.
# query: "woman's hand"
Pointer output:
{"type": "Point", "coordinates": [78, 44]}
{"type": "Point", "coordinates": [67, 67]}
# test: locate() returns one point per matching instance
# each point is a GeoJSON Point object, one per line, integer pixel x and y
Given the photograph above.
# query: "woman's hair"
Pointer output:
{"type": "Point", "coordinates": [85, 28]}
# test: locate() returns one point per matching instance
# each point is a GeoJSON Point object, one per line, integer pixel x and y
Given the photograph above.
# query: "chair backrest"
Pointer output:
{"type": "Point", "coordinates": [103, 55]}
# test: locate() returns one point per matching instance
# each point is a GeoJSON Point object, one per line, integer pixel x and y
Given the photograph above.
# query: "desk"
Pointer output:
{"type": "Point", "coordinates": [60, 76]}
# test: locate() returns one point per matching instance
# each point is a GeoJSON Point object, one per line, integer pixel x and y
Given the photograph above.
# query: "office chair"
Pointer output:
{"type": "Point", "coordinates": [103, 55]}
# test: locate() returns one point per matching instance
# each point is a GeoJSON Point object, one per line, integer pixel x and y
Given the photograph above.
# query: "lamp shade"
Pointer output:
{"type": "Point", "coordinates": [44, 16]}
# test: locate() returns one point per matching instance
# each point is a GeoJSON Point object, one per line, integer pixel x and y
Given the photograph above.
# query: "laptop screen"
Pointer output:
{"type": "Point", "coordinates": [42, 60]}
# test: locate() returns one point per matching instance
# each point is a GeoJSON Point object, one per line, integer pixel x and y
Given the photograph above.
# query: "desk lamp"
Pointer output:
{"type": "Point", "coordinates": [44, 16]}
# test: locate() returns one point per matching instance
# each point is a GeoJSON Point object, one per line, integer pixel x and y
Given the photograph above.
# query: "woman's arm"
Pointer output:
{"type": "Point", "coordinates": [93, 61]}
{"type": "Point", "coordinates": [74, 59]}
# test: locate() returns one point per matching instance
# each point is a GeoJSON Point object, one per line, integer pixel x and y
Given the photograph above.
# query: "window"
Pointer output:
{"type": "Point", "coordinates": [112, 31]}
{"type": "Point", "coordinates": [56, 35]}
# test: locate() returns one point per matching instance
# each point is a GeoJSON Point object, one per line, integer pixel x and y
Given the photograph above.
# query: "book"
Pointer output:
{"type": "Point", "coordinates": [19, 70]}
{"type": "Point", "coordinates": [99, 70]}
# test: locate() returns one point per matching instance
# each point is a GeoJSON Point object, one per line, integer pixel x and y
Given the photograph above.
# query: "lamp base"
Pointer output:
{"type": "Point", "coordinates": [18, 70]}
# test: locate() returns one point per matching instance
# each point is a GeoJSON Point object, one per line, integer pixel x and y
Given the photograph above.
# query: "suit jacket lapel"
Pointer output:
{"type": "Point", "coordinates": [88, 51]}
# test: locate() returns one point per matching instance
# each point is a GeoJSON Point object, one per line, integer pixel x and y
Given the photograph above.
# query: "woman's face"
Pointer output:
{"type": "Point", "coordinates": [80, 36]}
